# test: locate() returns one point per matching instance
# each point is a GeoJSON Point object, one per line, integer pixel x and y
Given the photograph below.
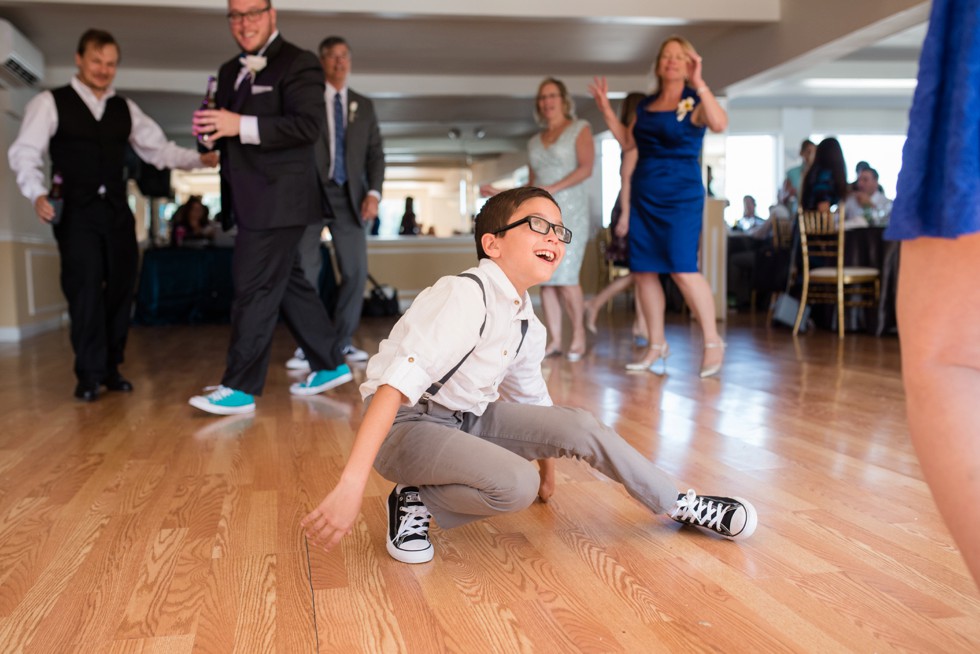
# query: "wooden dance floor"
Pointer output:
{"type": "Point", "coordinates": [138, 524]}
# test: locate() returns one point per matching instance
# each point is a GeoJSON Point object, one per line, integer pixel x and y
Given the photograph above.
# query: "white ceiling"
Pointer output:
{"type": "Point", "coordinates": [454, 64]}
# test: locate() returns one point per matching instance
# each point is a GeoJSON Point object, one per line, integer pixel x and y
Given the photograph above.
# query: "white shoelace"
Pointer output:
{"type": "Point", "coordinates": [218, 392]}
{"type": "Point", "coordinates": [414, 522]}
{"type": "Point", "coordinates": [697, 511]}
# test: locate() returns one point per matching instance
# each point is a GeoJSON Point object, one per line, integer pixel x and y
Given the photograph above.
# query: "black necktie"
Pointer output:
{"type": "Point", "coordinates": [241, 93]}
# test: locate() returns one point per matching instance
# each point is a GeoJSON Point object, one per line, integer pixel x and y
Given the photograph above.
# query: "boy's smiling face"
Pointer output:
{"type": "Point", "coordinates": [526, 257]}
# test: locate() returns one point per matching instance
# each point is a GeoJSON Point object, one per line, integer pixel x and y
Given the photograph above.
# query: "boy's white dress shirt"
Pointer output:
{"type": "Point", "coordinates": [443, 324]}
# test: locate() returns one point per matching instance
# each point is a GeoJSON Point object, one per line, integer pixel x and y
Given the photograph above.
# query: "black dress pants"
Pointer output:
{"type": "Point", "coordinates": [268, 279]}
{"type": "Point", "coordinates": [99, 260]}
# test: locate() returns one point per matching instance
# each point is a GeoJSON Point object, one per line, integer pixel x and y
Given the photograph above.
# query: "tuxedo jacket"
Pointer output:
{"type": "Point", "coordinates": [364, 155]}
{"type": "Point", "coordinates": [274, 184]}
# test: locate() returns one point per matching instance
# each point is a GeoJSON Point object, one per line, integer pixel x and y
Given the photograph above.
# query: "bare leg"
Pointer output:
{"type": "Point", "coordinates": [650, 294]}
{"type": "Point", "coordinates": [552, 317]}
{"type": "Point", "coordinates": [574, 305]}
{"type": "Point", "coordinates": [593, 305]}
{"type": "Point", "coordinates": [640, 323]}
{"type": "Point", "coordinates": [697, 292]}
{"type": "Point", "coordinates": [938, 313]}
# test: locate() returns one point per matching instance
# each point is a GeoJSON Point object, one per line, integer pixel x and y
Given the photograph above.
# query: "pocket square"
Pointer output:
{"type": "Point", "coordinates": [258, 88]}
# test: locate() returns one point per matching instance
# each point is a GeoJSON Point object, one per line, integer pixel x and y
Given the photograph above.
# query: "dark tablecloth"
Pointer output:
{"type": "Point", "coordinates": [185, 285]}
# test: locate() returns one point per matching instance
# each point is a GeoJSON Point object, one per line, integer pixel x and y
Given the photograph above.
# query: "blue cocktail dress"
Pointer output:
{"type": "Point", "coordinates": [667, 195]}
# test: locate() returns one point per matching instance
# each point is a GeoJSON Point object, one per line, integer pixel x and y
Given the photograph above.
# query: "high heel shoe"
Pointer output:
{"type": "Point", "coordinates": [654, 353]}
{"type": "Point", "coordinates": [714, 369]}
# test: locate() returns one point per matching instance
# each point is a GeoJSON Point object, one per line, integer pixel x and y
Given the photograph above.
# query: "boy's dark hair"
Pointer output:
{"type": "Point", "coordinates": [499, 209]}
{"type": "Point", "coordinates": [330, 42]}
{"type": "Point", "coordinates": [97, 39]}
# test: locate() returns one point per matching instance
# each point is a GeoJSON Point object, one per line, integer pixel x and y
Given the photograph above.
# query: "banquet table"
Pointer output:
{"type": "Point", "coordinates": [184, 285]}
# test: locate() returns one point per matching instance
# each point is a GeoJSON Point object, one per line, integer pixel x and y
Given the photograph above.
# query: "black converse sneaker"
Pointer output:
{"type": "Point", "coordinates": [408, 526]}
{"type": "Point", "coordinates": [732, 517]}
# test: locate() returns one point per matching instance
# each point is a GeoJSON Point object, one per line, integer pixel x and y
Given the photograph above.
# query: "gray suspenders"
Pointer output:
{"type": "Point", "coordinates": [432, 390]}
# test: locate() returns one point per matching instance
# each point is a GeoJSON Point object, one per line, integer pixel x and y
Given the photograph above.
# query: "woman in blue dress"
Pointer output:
{"type": "Point", "coordinates": [937, 216]}
{"type": "Point", "coordinates": [662, 181]}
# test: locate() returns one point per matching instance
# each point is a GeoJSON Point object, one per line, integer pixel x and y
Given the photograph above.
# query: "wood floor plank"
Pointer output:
{"type": "Point", "coordinates": [137, 524]}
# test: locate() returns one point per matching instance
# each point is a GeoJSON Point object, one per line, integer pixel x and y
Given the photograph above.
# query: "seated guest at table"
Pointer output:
{"type": "Point", "coordinates": [190, 223]}
{"type": "Point", "coordinates": [825, 183]}
{"type": "Point", "coordinates": [789, 195]}
{"type": "Point", "coordinates": [867, 204]}
{"type": "Point", "coordinates": [742, 261]}
{"type": "Point", "coordinates": [749, 220]}
{"type": "Point", "coordinates": [858, 169]}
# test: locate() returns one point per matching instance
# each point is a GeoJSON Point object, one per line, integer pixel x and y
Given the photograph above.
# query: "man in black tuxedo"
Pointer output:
{"type": "Point", "coordinates": [270, 113]}
{"type": "Point", "coordinates": [351, 164]}
{"type": "Point", "coordinates": [84, 128]}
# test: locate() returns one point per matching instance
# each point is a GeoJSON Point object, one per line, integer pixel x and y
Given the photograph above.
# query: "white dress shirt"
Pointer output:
{"type": "Point", "coordinates": [876, 213]}
{"type": "Point", "coordinates": [248, 126]}
{"type": "Point", "coordinates": [443, 324]}
{"type": "Point", "coordinates": [328, 96]}
{"type": "Point", "coordinates": [26, 155]}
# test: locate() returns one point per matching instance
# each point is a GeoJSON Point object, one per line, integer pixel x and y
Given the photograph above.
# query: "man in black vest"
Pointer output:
{"type": "Point", "coordinates": [270, 113]}
{"type": "Point", "coordinates": [85, 128]}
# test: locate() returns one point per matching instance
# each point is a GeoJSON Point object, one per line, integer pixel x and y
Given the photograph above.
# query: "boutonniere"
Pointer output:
{"type": "Point", "coordinates": [351, 111]}
{"type": "Point", "coordinates": [684, 107]}
{"type": "Point", "coordinates": [253, 63]}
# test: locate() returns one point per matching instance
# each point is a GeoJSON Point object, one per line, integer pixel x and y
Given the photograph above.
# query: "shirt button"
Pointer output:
{"type": "Point", "coordinates": [516, 302]}
{"type": "Point", "coordinates": [411, 359]}
{"type": "Point", "coordinates": [505, 352]}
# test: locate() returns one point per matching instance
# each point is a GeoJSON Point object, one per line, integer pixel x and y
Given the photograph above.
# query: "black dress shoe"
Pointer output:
{"type": "Point", "coordinates": [118, 383]}
{"type": "Point", "coordinates": [87, 391]}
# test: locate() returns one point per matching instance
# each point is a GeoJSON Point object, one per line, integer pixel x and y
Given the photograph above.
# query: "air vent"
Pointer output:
{"type": "Point", "coordinates": [21, 72]}
{"type": "Point", "coordinates": [21, 63]}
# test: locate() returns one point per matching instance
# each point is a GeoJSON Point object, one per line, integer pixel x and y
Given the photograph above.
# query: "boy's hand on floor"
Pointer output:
{"type": "Point", "coordinates": [334, 517]}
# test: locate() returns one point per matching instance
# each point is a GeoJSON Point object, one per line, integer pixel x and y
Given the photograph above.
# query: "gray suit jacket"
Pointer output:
{"type": "Point", "coordinates": [364, 155]}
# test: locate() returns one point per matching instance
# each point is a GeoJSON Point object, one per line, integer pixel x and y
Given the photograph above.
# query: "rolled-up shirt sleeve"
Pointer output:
{"type": "Point", "coordinates": [437, 331]}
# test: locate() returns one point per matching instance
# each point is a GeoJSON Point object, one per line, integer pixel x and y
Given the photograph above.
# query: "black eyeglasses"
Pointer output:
{"type": "Point", "coordinates": [247, 16]}
{"type": "Point", "coordinates": [541, 226]}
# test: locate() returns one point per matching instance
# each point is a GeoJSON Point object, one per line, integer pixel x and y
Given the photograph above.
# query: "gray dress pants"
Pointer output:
{"type": "Point", "coordinates": [469, 467]}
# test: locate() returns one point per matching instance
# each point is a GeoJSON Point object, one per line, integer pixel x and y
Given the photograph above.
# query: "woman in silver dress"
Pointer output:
{"type": "Point", "coordinates": [560, 158]}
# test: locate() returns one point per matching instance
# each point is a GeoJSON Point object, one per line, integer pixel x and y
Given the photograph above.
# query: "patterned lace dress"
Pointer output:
{"type": "Point", "coordinates": [550, 164]}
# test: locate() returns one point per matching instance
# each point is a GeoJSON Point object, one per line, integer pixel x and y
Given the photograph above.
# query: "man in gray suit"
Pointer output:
{"type": "Point", "coordinates": [351, 164]}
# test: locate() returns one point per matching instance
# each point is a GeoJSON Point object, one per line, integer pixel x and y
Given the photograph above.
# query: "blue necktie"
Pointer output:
{"type": "Point", "coordinates": [339, 149]}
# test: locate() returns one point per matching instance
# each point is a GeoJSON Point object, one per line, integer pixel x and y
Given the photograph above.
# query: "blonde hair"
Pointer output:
{"type": "Point", "coordinates": [567, 104]}
{"type": "Point", "coordinates": [673, 38]}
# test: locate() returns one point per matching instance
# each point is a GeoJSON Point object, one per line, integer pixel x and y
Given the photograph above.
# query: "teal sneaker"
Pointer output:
{"type": "Point", "coordinates": [322, 380]}
{"type": "Point", "coordinates": [223, 401]}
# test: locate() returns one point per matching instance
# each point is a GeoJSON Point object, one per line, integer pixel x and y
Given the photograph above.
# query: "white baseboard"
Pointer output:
{"type": "Point", "coordinates": [17, 334]}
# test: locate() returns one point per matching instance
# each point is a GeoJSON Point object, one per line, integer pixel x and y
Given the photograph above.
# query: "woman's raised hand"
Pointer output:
{"type": "Point", "coordinates": [694, 63]}
{"type": "Point", "coordinates": [599, 88]}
